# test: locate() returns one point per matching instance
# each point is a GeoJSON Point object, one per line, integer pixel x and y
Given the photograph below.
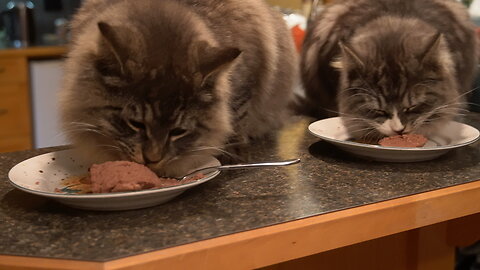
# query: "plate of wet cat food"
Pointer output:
{"type": "Point", "coordinates": [399, 148]}
{"type": "Point", "coordinates": [117, 185]}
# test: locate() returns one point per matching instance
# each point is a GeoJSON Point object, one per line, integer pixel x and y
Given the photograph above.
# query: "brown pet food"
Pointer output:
{"type": "Point", "coordinates": [405, 140]}
{"type": "Point", "coordinates": [117, 176]}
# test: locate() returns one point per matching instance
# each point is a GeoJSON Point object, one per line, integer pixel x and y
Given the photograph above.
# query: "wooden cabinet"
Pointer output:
{"type": "Point", "coordinates": [13, 69]}
{"type": "Point", "coordinates": [15, 118]}
{"type": "Point", "coordinates": [16, 132]}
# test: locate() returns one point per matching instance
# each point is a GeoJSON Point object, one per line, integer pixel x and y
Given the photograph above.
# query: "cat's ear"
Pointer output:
{"type": "Point", "coordinates": [211, 60]}
{"type": "Point", "coordinates": [350, 53]}
{"type": "Point", "coordinates": [113, 43]}
{"type": "Point", "coordinates": [431, 46]}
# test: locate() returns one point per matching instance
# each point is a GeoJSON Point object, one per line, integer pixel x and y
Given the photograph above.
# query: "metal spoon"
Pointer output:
{"type": "Point", "coordinates": [241, 166]}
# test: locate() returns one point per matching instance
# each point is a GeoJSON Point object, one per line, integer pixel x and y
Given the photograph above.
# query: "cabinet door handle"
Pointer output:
{"type": "Point", "coordinates": [3, 111]}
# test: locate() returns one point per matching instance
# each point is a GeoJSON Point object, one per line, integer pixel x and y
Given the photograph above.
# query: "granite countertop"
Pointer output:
{"type": "Point", "coordinates": [326, 180]}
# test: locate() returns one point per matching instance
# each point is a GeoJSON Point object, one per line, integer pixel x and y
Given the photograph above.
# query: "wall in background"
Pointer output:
{"type": "Point", "coordinates": [45, 82]}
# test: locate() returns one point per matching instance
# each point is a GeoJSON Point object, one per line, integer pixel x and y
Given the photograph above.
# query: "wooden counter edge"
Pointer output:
{"type": "Point", "coordinates": [35, 52]}
{"type": "Point", "coordinates": [291, 240]}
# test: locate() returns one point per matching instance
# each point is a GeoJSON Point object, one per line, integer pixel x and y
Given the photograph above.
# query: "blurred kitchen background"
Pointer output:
{"type": "Point", "coordinates": [33, 42]}
{"type": "Point", "coordinates": [46, 19]}
{"type": "Point", "coordinates": [33, 35]}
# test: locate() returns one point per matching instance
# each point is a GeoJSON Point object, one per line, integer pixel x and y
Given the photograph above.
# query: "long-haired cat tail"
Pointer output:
{"type": "Point", "coordinates": [164, 83]}
{"type": "Point", "coordinates": [389, 66]}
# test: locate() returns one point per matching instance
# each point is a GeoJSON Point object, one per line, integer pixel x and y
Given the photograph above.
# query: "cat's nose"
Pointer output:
{"type": "Point", "coordinates": [152, 153]}
{"type": "Point", "coordinates": [399, 130]}
{"type": "Point", "coordinates": [151, 159]}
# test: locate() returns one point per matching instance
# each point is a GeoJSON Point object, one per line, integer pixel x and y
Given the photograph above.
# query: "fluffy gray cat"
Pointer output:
{"type": "Point", "coordinates": [389, 66]}
{"type": "Point", "coordinates": [164, 82]}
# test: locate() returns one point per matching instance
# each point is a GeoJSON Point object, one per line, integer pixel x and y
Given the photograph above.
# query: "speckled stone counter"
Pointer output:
{"type": "Point", "coordinates": [326, 180]}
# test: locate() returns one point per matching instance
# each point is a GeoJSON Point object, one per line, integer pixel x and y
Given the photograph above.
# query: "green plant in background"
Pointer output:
{"type": "Point", "coordinates": [467, 2]}
{"type": "Point", "coordinates": [3, 38]}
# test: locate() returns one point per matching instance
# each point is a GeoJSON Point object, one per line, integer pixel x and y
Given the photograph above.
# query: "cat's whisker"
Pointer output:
{"type": "Point", "coordinates": [456, 104]}
{"type": "Point", "coordinates": [358, 123]}
{"type": "Point", "coordinates": [371, 135]}
{"type": "Point", "coordinates": [467, 92]}
{"type": "Point", "coordinates": [82, 124]}
{"type": "Point", "coordinates": [345, 115]}
{"type": "Point", "coordinates": [333, 111]}
{"type": "Point", "coordinates": [422, 118]}
{"type": "Point", "coordinates": [356, 95]}
{"type": "Point", "coordinates": [67, 131]}
{"type": "Point", "coordinates": [434, 110]}
{"type": "Point", "coordinates": [218, 149]}
{"type": "Point", "coordinates": [469, 103]}
{"type": "Point", "coordinates": [113, 147]}
{"type": "Point", "coordinates": [234, 144]}
{"type": "Point", "coordinates": [462, 110]}
{"type": "Point", "coordinates": [370, 89]}
{"type": "Point", "coordinates": [357, 88]}
{"type": "Point", "coordinates": [59, 135]}
{"type": "Point", "coordinates": [363, 125]}
{"type": "Point", "coordinates": [354, 117]}
{"type": "Point", "coordinates": [363, 105]}
{"type": "Point", "coordinates": [425, 118]}
{"type": "Point", "coordinates": [349, 118]}
{"type": "Point", "coordinates": [72, 131]}
{"type": "Point", "coordinates": [368, 121]}
{"type": "Point", "coordinates": [447, 112]}
{"type": "Point", "coordinates": [362, 129]}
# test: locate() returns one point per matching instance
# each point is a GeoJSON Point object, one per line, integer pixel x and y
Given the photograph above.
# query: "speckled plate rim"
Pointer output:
{"type": "Point", "coordinates": [473, 139]}
{"type": "Point", "coordinates": [139, 193]}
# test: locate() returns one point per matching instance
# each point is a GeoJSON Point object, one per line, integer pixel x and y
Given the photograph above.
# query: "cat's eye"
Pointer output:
{"type": "Point", "coordinates": [410, 109]}
{"type": "Point", "coordinates": [136, 124]}
{"type": "Point", "coordinates": [380, 113]}
{"type": "Point", "coordinates": [176, 132]}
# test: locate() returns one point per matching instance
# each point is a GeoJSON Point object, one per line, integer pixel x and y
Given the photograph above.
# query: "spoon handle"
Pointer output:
{"type": "Point", "coordinates": [258, 165]}
{"type": "Point", "coordinates": [242, 166]}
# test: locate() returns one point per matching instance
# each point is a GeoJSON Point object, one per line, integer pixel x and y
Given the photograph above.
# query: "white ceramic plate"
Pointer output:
{"type": "Point", "coordinates": [43, 175]}
{"type": "Point", "coordinates": [454, 135]}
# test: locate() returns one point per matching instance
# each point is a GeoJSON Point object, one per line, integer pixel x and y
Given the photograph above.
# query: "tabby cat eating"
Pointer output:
{"type": "Point", "coordinates": [389, 66]}
{"type": "Point", "coordinates": [164, 83]}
